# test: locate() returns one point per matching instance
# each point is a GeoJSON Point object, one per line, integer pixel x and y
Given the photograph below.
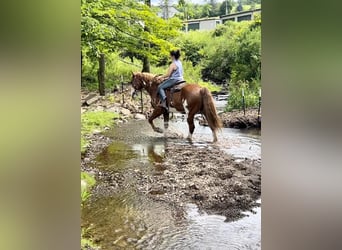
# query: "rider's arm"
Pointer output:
{"type": "Point", "coordinates": [170, 70]}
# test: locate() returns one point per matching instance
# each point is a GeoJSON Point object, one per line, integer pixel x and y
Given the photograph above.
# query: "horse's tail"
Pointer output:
{"type": "Point", "coordinates": [209, 110]}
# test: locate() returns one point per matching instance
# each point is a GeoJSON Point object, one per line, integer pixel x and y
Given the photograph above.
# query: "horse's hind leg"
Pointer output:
{"type": "Point", "coordinates": [191, 123]}
{"type": "Point", "coordinates": [166, 119]}
{"type": "Point", "coordinates": [156, 112]}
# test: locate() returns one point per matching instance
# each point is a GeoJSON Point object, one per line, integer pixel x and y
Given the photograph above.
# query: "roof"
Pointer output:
{"type": "Point", "coordinates": [241, 12]}
{"type": "Point", "coordinates": [203, 19]}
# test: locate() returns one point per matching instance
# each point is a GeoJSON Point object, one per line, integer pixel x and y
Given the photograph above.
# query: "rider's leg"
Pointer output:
{"type": "Point", "coordinates": [161, 90]}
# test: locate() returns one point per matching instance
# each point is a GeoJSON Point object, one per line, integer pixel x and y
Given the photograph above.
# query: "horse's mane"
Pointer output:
{"type": "Point", "coordinates": [148, 77]}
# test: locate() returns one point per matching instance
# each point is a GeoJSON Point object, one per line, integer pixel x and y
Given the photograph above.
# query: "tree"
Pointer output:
{"type": "Point", "coordinates": [146, 60]}
{"type": "Point", "coordinates": [112, 25]}
{"type": "Point", "coordinates": [234, 53]}
{"type": "Point", "coordinates": [214, 8]}
{"type": "Point", "coordinates": [239, 7]}
{"type": "Point", "coordinates": [206, 10]}
{"type": "Point", "coordinates": [225, 7]}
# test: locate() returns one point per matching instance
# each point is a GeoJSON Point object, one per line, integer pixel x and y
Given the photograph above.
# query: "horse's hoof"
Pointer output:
{"type": "Point", "coordinates": [158, 130]}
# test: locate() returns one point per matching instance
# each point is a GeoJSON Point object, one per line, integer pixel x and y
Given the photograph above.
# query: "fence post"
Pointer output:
{"type": "Point", "coordinates": [122, 91]}
{"type": "Point", "coordinates": [259, 105]}
{"type": "Point", "coordinates": [243, 102]}
{"type": "Point", "coordinates": [101, 74]}
{"type": "Point", "coordinates": [142, 103]}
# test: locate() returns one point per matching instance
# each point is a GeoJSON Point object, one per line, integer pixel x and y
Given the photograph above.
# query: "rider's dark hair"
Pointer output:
{"type": "Point", "coordinates": [175, 53]}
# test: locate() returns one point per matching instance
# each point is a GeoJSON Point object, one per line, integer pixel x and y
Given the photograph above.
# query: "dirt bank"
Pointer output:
{"type": "Point", "coordinates": [119, 102]}
{"type": "Point", "coordinates": [236, 119]}
{"type": "Point", "coordinates": [216, 182]}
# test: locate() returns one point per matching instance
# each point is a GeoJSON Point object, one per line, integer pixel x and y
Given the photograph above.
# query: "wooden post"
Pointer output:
{"type": "Point", "coordinates": [122, 90]}
{"type": "Point", "coordinates": [101, 75]}
{"type": "Point", "coordinates": [243, 102]}
{"type": "Point", "coordinates": [142, 103]}
{"type": "Point", "coordinates": [259, 106]}
{"type": "Point", "coordinates": [81, 68]}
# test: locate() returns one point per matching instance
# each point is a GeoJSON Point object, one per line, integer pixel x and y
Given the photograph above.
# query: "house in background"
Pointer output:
{"type": "Point", "coordinates": [210, 23]}
{"type": "Point", "coordinates": [202, 24]}
{"type": "Point", "coordinates": [240, 16]}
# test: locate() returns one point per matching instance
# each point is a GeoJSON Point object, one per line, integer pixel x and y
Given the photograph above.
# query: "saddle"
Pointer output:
{"type": "Point", "coordinates": [174, 89]}
{"type": "Point", "coordinates": [177, 87]}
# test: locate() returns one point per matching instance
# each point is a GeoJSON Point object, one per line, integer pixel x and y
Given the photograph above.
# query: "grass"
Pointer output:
{"type": "Point", "coordinates": [86, 243]}
{"type": "Point", "coordinates": [95, 120]}
{"type": "Point", "coordinates": [210, 86]}
{"type": "Point", "coordinates": [87, 181]}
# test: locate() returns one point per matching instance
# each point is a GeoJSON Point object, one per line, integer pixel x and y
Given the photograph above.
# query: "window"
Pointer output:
{"type": "Point", "coordinates": [244, 18]}
{"type": "Point", "coordinates": [193, 26]}
{"type": "Point", "coordinates": [229, 19]}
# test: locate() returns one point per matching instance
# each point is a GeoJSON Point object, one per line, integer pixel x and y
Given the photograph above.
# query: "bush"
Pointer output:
{"type": "Point", "coordinates": [251, 92]}
{"type": "Point", "coordinates": [233, 53]}
{"type": "Point", "coordinates": [116, 67]}
{"type": "Point", "coordinates": [192, 45]}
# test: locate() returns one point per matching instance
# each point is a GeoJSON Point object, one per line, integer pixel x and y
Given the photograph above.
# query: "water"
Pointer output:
{"type": "Point", "coordinates": [127, 220]}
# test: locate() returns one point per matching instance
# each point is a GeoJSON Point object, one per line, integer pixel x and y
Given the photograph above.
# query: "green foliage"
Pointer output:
{"type": "Point", "coordinates": [251, 92]}
{"type": "Point", "coordinates": [95, 120]}
{"type": "Point", "coordinates": [192, 45]}
{"type": "Point", "coordinates": [109, 25]}
{"type": "Point", "coordinates": [87, 181]}
{"type": "Point", "coordinates": [212, 8]}
{"type": "Point", "coordinates": [234, 53]}
{"type": "Point", "coordinates": [210, 86]}
{"type": "Point", "coordinates": [116, 67]}
{"type": "Point", "coordinates": [87, 243]}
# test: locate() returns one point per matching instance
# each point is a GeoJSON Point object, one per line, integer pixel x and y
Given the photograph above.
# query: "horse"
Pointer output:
{"type": "Point", "coordinates": [190, 99]}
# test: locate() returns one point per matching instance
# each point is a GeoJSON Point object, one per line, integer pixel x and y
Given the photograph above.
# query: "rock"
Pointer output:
{"type": "Point", "coordinates": [125, 112]}
{"type": "Point", "coordinates": [198, 197]}
{"type": "Point", "coordinates": [96, 131]}
{"type": "Point", "coordinates": [113, 110]}
{"type": "Point", "coordinates": [99, 108]}
{"type": "Point", "coordinates": [139, 117]}
{"type": "Point", "coordinates": [193, 186]}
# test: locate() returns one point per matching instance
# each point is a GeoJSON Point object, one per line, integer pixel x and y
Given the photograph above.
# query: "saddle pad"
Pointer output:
{"type": "Point", "coordinates": [178, 87]}
{"type": "Point", "coordinates": [177, 83]}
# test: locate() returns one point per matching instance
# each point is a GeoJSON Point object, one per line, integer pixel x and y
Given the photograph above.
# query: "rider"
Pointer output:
{"type": "Point", "coordinates": [173, 75]}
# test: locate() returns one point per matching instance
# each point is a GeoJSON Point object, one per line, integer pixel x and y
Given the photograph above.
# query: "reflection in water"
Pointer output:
{"type": "Point", "coordinates": [152, 152]}
{"type": "Point", "coordinates": [127, 220]}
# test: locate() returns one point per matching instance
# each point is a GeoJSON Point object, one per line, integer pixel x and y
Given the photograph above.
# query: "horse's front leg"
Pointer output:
{"type": "Point", "coordinates": [156, 112]}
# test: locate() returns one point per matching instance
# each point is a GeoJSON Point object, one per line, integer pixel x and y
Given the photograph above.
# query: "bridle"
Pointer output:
{"type": "Point", "coordinates": [142, 84]}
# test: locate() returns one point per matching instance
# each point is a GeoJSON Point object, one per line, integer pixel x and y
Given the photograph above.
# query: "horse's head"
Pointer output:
{"type": "Point", "coordinates": [138, 83]}
{"type": "Point", "coordinates": [141, 81]}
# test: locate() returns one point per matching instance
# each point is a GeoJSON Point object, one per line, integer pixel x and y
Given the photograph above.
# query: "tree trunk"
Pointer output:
{"type": "Point", "coordinates": [81, 68]}
{"type": "Point", "coordinates": [101, 75]}
{"type": "Point", "coordinates": [146, 64]}
{"type": "Point", "coordinates": [146, 60]}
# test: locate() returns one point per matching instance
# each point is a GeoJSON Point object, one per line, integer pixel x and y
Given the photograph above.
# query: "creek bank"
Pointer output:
{"type": "Point", "coordinates": [117, 102]}
{"type": "Point", "coordinates": [112, 102]}
{"type": "Point", "coordinates": [206, 176]}
{"type": "Point", "coordinates": [237, 119]}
